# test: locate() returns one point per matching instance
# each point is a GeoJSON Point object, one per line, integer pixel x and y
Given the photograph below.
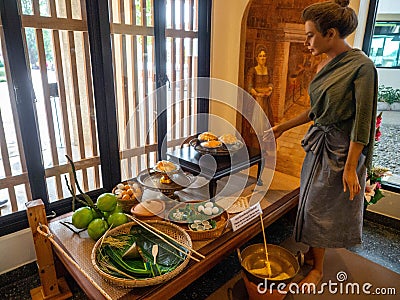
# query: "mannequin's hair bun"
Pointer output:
{"type": "Point", "coordinates": [343, 3]}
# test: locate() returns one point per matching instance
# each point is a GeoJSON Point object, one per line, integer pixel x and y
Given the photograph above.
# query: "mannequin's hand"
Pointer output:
{"type": "Point", "coordinates": [350, 181]}
{"type": "Point", "coordinates": [273, 132]}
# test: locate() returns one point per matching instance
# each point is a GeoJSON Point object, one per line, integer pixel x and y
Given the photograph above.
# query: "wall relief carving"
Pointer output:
{"type": "Point", "coordinates": [276, 68]}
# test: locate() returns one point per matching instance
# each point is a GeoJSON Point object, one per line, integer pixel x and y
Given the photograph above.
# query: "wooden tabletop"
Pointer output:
{"type": "Point", "coordinates": [281, 197]}
{"type": "Point", "coordinates": [214, 167]}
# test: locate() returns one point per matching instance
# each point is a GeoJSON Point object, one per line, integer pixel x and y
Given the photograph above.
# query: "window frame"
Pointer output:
{"type": "Point", "coordinates": [385, 37]}
{"type": "Point", "coordinates": [366, 47]}
{"type": "Point", "coordinates": [104, 92]}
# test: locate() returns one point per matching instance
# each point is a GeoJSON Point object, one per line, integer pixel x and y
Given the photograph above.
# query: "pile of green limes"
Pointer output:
{"type": "Point", "coordinates": [98, 219]}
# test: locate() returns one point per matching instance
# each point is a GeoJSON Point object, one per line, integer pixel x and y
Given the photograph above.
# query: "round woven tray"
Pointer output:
{"type": "Point", "coordinates": [174, 231]}
{"type": "Point", "coordinates": [222, 221]}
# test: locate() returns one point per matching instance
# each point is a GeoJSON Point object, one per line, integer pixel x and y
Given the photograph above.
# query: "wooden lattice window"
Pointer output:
{"type": "Point", "coordinates": [133, 41]}
{"type": "Point", "coordinates": [56, 43]}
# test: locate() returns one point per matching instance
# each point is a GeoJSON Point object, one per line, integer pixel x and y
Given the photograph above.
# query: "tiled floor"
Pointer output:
{"type": "Point", "coordinates": [380, 245]}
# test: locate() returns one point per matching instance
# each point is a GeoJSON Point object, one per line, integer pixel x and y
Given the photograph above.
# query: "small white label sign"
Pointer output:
{"type": "Point", "coordinates": [246, 216]}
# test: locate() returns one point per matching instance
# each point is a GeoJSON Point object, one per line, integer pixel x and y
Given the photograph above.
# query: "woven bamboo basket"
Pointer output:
{"type": "Point", "coordinates": [127, 205]}
{"type": "Point", "coordinates": [222, 222]}
{"type": "Point", "coordinates": [174, 231]}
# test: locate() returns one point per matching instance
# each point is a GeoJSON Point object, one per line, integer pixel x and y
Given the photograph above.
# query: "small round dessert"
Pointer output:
{"type": "Point", "coordinates": [228, 139]}
{"type": "Point", "coordinates": [207, 136]}
{"type": "Point", "coordinates": [211, 144]}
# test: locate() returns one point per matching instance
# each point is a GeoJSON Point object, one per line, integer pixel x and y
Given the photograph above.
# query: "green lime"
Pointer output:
{"type": "Point", "coordinates": [82, 217]}
{"type": "Point", "coordinates": [96, 214]}
{"type": "Point", "coordinates": [117, 219]}
{"type": "Point", "coordinates": [109, 213]}
{"type": "Point", "coordinates": [117, 209]}
{"type": "Point", "coordinates": [97, 228]}
{"type": "Point", "coordinates": [106, 202]}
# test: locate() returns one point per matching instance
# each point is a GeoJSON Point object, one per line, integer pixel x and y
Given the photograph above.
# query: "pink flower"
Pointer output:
{"type": "Point", "coordinates": [378, 135]}
{"type": "Point", "coordinates": [378, 185]}
{"type": "Point", "coordinates": [378, 122]}
{"type": "Point", "coordinates": [369, 190]}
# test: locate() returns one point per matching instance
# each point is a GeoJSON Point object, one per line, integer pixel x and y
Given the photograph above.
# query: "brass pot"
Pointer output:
{"type": "Point", "coordinates": [284, 265]}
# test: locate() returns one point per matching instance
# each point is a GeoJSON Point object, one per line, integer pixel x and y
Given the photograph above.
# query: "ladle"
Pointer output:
{"type": "Point", "coordinates": [268, 265]}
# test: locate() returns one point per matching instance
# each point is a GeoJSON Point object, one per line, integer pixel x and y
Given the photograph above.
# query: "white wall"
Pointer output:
{"type": "Point", "coordinates": [225, 52]}
{"type": "Point", "coordinates": [225, 38]}
{"type": "Point", "coordinates": [16, 249]}
{"type": "Point", "coordinates": [389, 77]}
{"type": "Point", "coordinates": [388, 6]}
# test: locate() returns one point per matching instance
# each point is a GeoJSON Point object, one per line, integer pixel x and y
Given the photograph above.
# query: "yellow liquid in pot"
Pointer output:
{"type": "Point", "coordinates": [281, 269]}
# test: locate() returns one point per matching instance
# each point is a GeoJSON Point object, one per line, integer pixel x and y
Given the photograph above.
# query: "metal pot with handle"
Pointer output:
{"type": "Point", "coordinates": [284, 265]}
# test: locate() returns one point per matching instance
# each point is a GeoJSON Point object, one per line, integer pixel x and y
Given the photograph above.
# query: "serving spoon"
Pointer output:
{"type": "Point", "coordinates": [154, 252]}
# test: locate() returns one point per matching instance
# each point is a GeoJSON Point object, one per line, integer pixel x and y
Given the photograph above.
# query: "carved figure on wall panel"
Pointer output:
{"type": "Point", "coordinates": [301, 70]}
{"type": "Point", "coordinates": [276, 27]}
{"type": "Point", "coordinates": [259, 85]}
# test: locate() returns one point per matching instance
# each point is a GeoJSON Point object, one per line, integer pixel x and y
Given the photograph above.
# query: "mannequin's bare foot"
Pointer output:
{"type": "Point", "coordinates": [311, 281]}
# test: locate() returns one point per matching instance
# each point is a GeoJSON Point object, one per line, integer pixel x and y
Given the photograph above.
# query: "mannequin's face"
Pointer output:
{"type": "Point", "coordinates": [262, 58]}
{"type": "Point", "coordinates": [315, 42]}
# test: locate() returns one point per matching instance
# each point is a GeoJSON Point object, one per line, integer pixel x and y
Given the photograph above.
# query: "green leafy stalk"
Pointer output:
{"type": "Point", "coordinates": [87, 200]}
{"type": "Point", "coordinates": [74, 197]}
{"type": "Point", "coordinates": [85, 196]}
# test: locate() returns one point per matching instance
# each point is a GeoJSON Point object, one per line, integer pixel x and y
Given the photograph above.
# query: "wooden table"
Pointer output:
{"type": "Point", "coordinates": [213, 168]}
{"type": "Point", "coordinates": [281, 197]}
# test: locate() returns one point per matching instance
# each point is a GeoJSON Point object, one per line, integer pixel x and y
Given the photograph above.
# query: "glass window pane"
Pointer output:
{"type": "Point", "coordinates": [134, 75]}
{"type": "Point", "coordinates": [58, 54]}
{"type": "Point", "coordinates": [385, 52]}
{"type": "Point", "coordinates": [13, 177]}
{"type": "Point", "coordinates": [385, 45]}
{"type": "Point", "coordinates": [181, 70]}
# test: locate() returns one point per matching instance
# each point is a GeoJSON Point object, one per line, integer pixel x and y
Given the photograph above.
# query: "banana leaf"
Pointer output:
{"type": "Point", "coordinates": [167, 255]}
{"type": "Point", "coordinates": [135, 268]}
{"type": "Point", "coordinates": [111, 260]}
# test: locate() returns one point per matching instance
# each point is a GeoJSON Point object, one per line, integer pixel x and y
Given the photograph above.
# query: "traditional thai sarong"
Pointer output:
{"type": "Point", "coordinates": [326, 217]}
{"type": "Point", "coordinates": [343, 107]}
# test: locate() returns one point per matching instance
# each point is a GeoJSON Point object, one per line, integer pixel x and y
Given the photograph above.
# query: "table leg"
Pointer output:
{"type": "Point", "coordinates": [260, 167]}
{"type": "Point", "coordinates": [212, 188]}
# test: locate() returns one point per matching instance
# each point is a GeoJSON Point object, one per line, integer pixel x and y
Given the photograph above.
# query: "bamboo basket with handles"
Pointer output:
{"type": "Point", "coordinates": [174, 231]}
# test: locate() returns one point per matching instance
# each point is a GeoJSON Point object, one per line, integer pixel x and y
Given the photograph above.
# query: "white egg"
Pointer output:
{"type": "Point", "coordinates": [207, 227]}
{"type": "Point", "coordinates": [200, 228]}
{"type": "Point", "coordinates": [200, 208]}
{"type": "Point", "coordinates": [197, 222]}
{"type": "Point", "coordinates": [208, 211]}
{"type": "Point", "coordinates": [205, 222]}
{"type": "Point", "coordinates": [194, 226]}
{"type": "Point", "coordinates": [215, 210]}
{"type": "Point", "coordinates": [209, 204]}
{"type": "Point", "coordinates": [121, 186]}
